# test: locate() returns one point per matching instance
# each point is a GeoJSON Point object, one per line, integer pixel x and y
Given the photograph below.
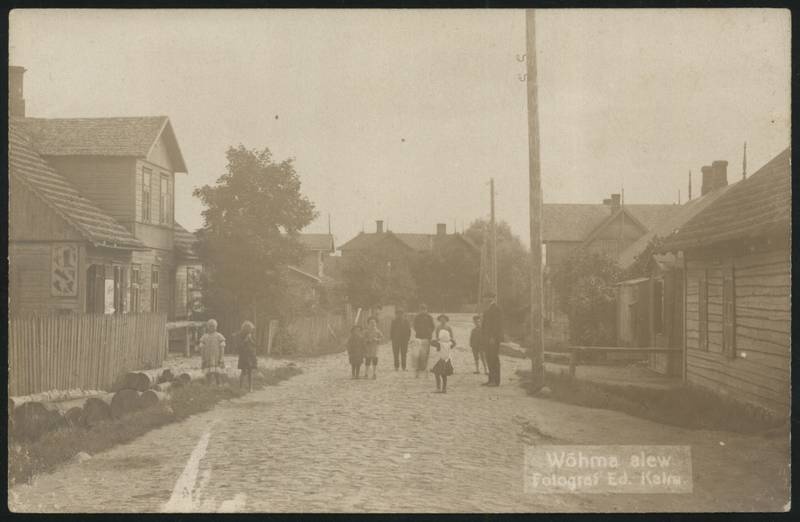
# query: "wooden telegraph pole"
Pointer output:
{"type": "Point", "coordinates": [535, 175]}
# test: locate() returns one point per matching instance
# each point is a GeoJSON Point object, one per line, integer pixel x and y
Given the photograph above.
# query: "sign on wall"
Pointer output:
{"type": "Point", "coordinates": [64, 270]}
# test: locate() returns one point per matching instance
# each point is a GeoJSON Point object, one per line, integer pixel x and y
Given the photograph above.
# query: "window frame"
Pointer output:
{"type": "Point", "coordinates": [136, 281]}
{"type": "Point", "coordinates": [165, 200]}
{"type": "Point", "coordinates": [155, 279]}
{"type": "Point", "coordinates": [147, 194]}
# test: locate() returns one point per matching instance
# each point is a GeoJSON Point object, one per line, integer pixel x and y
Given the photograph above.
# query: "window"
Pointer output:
{"type": "Point", "coordinates": [728, 313]}
{"type": "Point", "coordinates": [95, 289]}
{"type": "Point", "coordinates": [154, 289]}
{"type": "Point", "coordinates": [165, 207]}
{"type": "Point", "coordinates": [119, 289]}
{"type": "Point", "coordinates": [136, 281]}
{"type": "Point", "coordinates": [146, 194]}
{"type": "Point", "coordinates": [703, 310]}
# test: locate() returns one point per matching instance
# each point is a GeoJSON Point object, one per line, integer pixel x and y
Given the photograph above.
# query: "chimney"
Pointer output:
{"type": "Point", "coordinates": [720, 170]}
{"type": "Point", "coordinates": [16, 102]}
{"type": "Point", "coordinates": [708, 180]}
{"type": "Point", "coordinates": [379, 226]}
{"type": "Point", "coordinates": [441, 229]}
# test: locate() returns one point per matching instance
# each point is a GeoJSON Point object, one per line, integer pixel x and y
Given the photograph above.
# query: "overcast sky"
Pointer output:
{"type": "Point", "coordinates": [405, 115]}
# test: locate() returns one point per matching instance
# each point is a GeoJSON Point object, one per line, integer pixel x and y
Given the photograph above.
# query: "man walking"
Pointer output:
{"type": "Point", "coordinates": [423, 331]}
{"type": "Point", "coordinates": [493, 334]}
{"type": "Point", "coordinates": [400, 334]}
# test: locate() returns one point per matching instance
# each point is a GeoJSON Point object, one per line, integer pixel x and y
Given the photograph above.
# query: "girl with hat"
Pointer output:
{"type": "Point", "coordinates": [444, 366]}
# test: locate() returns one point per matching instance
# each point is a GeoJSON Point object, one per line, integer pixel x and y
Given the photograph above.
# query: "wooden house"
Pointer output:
{"type": "Point", "coordinates": [608, 228]}
{"type": "Point", "coordinates": [650, 305]}
{"type": "Point", "coordinates": [737, 269]}
{"type": "Point", "coordinates": [400, 244]}
{"type": "Point", "coordinates": [97, 193]}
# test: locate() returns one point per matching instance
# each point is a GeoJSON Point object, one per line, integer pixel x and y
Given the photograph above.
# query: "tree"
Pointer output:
{"type": "Point", "coordinates": [447, 276]}
{"type": "Point", "coordinates": [375, 278]}
{"type": "Point", "coordinates": [250, 224]}
{"type": "Point", "coordinates": [643, 262]}
{"type": "Point", "coordinates": [584, 286]}
{"type": "Point", "coordinates": [513, 280]}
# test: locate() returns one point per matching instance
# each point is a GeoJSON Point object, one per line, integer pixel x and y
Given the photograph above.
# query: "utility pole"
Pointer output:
{"type": "Point", "coordinates": [744, 162]}
{"type": "Point", "coordinates": [535, 178]}
{"type": "Point", "coordinates": [493, 264]}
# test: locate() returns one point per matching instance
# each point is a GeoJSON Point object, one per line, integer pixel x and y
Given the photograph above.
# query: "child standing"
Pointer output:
{"type": "Point", "coordinates": [444, 365]}
{"type": "Point", "coordinates": [247, 354]}
{"type": "Point", "coordinates": [478, 344]}
{"type": "Point", "coordinates": [212, 351]}
{"type": "Point", "coordinates": [372, 340]}
{"type": "Point", "coordinates": [355, 350]}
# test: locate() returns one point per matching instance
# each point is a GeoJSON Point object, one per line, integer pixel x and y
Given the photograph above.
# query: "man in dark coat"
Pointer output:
{"type": "Point", "coordinates": [423, 331]}
{"type": "Point", "coordinates": [493, 334]}
{"type": "Point", "coordinates": [400, 334]}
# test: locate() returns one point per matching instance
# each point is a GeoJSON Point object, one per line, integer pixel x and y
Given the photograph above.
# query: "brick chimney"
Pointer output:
{"type": "Point", "coordinates": [441, 229]}
{"type": "Point", "coordinates": [379, 226]}
{"type": "Point", "coordinates": [720, 170]}
{"type": "Point", "coordinates": [708, 180]}
{"type": "Point", "coordinates": [16, 101]}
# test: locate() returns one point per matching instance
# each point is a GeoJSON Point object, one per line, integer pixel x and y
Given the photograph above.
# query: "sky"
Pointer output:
{"type": "Point", "coordinates": [405, 115]}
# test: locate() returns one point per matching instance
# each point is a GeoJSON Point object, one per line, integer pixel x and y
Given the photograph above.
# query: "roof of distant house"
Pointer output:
{"type": "Point", "coordinates": [416, 242]}
{"type": "Point", "coordinates": [322, 242]}
{"type": "Point", "coordinates": [754, 207]}
{"type": "Point", "coordinates": [130, 137]}
{"type": "Point", "coordinates": [666, 227]}
{"type": "Point", "coordinates": [26, 165]}
{"type": "Point", "coordinates": [575, 221]}
{"type": "Point", "coordinates": [184, 242]}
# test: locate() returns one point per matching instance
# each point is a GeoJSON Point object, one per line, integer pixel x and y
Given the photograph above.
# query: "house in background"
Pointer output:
{"type": "Point", "coordinates": [650, 306]}
{"type": "Point", "coordinates": [609, 228]}
{"type": "Point", "coordinates": [97, 193]}
{"type": "Point", "coordinates": [188, 303]}
{"type": "Point", "coordinates": [398, 244]}
{"type": "Point", "coordinates": [737, 269]}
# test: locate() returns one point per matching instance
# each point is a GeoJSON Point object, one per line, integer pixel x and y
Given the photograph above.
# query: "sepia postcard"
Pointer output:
{"type": "Point", "coordinates": [399, 261]}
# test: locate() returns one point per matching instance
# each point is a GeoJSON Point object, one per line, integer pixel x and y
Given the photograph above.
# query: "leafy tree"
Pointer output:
{"type": "Point", "coordinates": [375, 278]}
{"type": "Point", "coordinates": [513, 274]}
{"type": "Point", "coordinates": [644, 261]}
{"type": "Point", "coordinates": [584, 286]}
{"type": "Point", "coordinates": [251, 218]}
{"type": "Point", "coordinates": [446, 277]}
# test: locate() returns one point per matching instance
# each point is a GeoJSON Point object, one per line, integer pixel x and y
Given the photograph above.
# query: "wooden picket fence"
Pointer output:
{"type": "Point", "coordinates": [88, 351]}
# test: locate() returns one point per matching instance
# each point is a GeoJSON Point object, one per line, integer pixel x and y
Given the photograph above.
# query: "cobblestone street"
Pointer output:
{"type": "Point", "coordinates": [323, 442]}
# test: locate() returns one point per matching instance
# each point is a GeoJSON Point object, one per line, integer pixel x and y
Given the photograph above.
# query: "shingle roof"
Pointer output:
{"type": "Point", "coordinates": [184, 242]}
{"type": "Point", "coordinates": [323, 242]}
{"type": "Point", "coordinates": [667, 226]}
{"type": "Point", "coordinates": [29, 168]}
{"type": "Point", "coordinates": [133, 136]}
{"type": "Point", "coordinates": [758, 205]}
{"type": "Point", "coordinates": [575, 221]}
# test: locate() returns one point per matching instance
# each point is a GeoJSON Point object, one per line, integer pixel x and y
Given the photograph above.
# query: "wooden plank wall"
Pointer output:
{"type": "Point", "coordinates": [88, 351]}
{"type": "Point", "coordinates": [759, 373]}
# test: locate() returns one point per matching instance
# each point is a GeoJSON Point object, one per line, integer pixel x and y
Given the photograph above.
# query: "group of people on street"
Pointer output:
{"type": "Point", "coordinates": [212, 353]}
{"type": "Point", "coordinates": [485, 339]}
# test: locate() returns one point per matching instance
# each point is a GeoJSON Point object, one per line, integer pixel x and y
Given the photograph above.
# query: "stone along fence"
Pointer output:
{"type": "Point", "coordinates": [88, 351]}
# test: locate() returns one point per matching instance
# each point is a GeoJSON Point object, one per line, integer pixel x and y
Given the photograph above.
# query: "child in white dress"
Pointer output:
{"type": "Point", "coordinates": [444, 366]}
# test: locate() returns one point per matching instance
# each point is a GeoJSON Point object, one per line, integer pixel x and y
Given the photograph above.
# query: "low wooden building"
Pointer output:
{"type": "Point", "coordinates": [737, 266]}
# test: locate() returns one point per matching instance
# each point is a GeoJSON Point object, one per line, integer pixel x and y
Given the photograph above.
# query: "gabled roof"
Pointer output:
{"type": "Point", "coordinates": [686, 212]}
{"type": "Point", "coordinates": [184, 242]}
{"type": "Point", "coordinates": [317, 242]}
{"type": "Point", "coordinates": [416, 242]}
{"type": "Point", "coordinates": [30, 169]}
{"type": "Point", "coordinates": [754, 207]}
{"type": "Point", "coordinates": [576, 221]}
{"type": "Point", "coordinates": [130, 137]}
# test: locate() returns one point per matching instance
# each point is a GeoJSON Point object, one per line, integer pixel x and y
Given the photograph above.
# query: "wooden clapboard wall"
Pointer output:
{"type": "Point", "coordinates": [88, 351]}
{"type": "Point", "coordinates": [755, 368]}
